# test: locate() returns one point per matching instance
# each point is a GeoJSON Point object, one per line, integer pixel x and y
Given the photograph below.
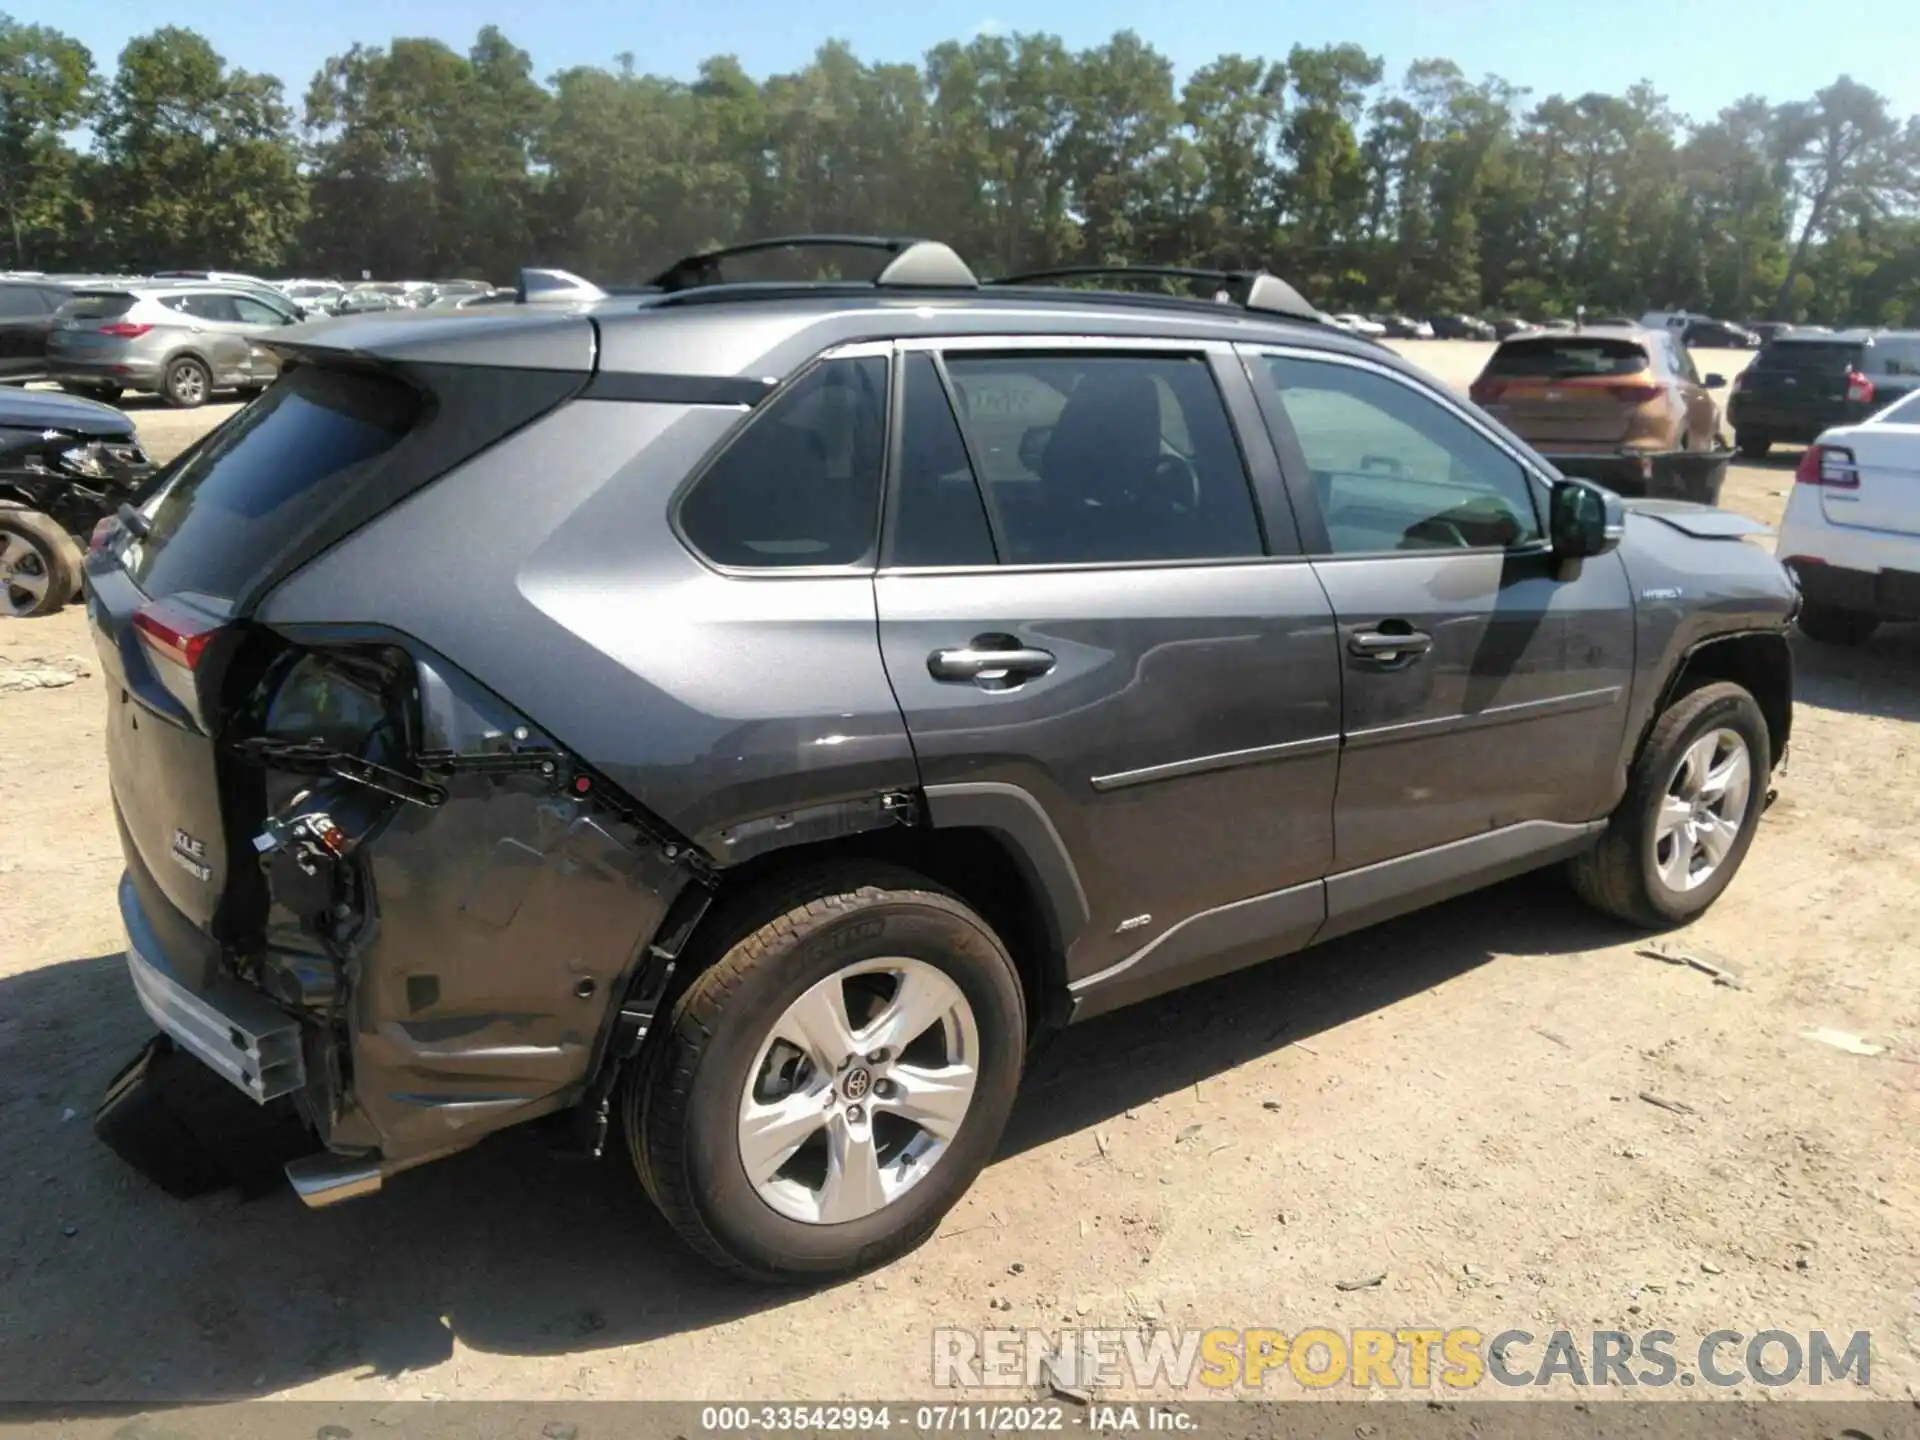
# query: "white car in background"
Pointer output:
{"type": "Point", "coordinates": [1851, 535]}
{"type": "Point", "coordinates": [1359, 325]}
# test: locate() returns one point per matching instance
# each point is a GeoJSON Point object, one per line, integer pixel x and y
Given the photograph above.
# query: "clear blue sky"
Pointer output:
{"type": "Point", "coordinates": [1702, 56]}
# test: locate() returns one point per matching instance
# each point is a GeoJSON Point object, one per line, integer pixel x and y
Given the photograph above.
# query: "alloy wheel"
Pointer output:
{"type": "Point", "coordinates": [24, 574]}
{"type": "Point", "coordinates": [858, 1089]}
{"type": "Point", "coordinates": [1702, 811]}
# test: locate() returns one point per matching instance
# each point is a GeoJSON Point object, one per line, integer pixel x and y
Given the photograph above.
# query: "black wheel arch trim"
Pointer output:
{"type": "Point", "coordinates": [1023, 823]}
{"type": "Point", "coordinates": [1779, 726]}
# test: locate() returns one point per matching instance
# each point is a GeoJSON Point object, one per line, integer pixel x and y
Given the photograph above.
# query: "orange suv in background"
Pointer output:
{"type": "Point", "coordinates": [1620, 404]}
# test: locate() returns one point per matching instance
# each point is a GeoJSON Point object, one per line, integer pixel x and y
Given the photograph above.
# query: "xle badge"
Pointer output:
{"type": "Point", "coordinates": [191, 856]}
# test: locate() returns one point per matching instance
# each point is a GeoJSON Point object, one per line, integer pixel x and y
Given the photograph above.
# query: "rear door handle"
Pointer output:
{"type": "Point", "coordinates": [1387, 647]}
{"type": "Point", "coordinates": [993, 662]}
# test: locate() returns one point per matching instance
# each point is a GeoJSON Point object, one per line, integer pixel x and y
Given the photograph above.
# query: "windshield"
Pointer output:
{"type": "Point", "coordinates": [1566, 357]}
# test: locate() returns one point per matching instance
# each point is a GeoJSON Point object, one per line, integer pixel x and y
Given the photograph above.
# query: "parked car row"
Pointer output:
{"type": "Point", "coordinates": [330, 297]}
{"type": "Point", "coordinates": [180, 334]}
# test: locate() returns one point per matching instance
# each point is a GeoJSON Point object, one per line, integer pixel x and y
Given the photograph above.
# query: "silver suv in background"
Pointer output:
{"type": "Point", "coordinates": [180, 342]}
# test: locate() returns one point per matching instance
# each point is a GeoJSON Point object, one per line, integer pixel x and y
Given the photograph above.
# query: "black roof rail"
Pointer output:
{"type": "Point", "coordinates": [1249, 289]}
{"type": "Point", "coordinates": [915, 262]}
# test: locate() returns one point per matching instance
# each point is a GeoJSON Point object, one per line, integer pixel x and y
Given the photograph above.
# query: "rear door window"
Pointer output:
{"type": "Point", "coordinates": [1105, 459]}
{"type": "Point", "coordinates": [1566, 358]}
{"type": "Point", "coordinates": [266, 475]}
{"type": "Point", "coordinates": [218, 308]}
{"type": "Point", "coordinates": [939, 518]}
{"type": "Point", "coordinates": [800, 485]}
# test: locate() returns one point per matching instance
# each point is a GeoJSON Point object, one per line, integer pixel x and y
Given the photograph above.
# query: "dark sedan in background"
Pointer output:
{"type": "Point", "coordinates": [1808, 381]}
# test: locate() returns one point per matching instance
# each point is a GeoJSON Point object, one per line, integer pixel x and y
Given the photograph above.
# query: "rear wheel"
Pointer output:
{"type": "Point", "coordinates": [1692, 805]}
{"type": "Point", "coordinates": [833, 1083]}
{"type": "Point", "coordinates": [1752, 447]}
{"type": "Point", "coordinates": [39, 564]}
{"type": "Point", "coordinates": [1831, 625]}
{"type": "Point", "coordinates": [187, 383]}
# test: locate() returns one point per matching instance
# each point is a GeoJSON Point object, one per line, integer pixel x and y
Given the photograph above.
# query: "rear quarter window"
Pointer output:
{"type": "Point", "coordinates": [800, 485]}
{"type": "Point", "coordinates": [1567, 358]}
{"type": "Point", "coordinates": [263, 477]}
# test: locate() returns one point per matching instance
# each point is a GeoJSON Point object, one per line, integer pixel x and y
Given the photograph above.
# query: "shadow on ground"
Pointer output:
{"type": "Point", "coordinates": [158, 1301]}
{"type": "Point", "coordinates": [1881, 677]}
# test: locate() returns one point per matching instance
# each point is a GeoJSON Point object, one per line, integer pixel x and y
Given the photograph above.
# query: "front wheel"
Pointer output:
{"type": "Point", "coordinates": [833, 1083]}
{"type": "Point", "coordinates": [1830, 625]}
{"type": "Point", "coordinates": [1692, 805]}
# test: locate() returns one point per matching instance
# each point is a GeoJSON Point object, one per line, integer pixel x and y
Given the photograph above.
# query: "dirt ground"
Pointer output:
{"type": "Point", "coordinates": [1454, 1102]}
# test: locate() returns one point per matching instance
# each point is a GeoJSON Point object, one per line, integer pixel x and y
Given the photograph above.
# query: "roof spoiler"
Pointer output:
{"type": "Point", "coordinates": [1249, 289]}
{"type": "Point", "coordinates": [547, 285]}
{"type": "Point", "coordinates": [912, 262]}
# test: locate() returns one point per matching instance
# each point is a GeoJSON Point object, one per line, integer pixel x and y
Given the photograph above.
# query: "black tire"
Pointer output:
{"type": "Point", "coordinates": [1752, 447]}
{"type": "Point", "coordinates": [33, 549]}
{"type": "Point", "coordinates": [1620, 875]}
{"type": "Point", "coordinates": [1830, 625]}
{"type": "Point", "coordinates": [87, 390]}
{"type": "Point", "coordinates": [680, 1109]}
{"type": "Point", "coordinates": [188, 384]}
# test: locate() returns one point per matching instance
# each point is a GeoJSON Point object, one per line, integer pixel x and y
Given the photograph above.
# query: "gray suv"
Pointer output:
{"type": "Point", "coordinates": [749, 716]}
{"type": "Point", "coordinates": [179, 341]}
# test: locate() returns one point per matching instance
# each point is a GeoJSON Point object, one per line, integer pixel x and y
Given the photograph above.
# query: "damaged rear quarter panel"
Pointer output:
{"type": "Point", "coordinates": [506, 922]}
{"type": "Point", "coordinates": [544, 569]}
{"type": "Point", "coordinates": [484, 940]}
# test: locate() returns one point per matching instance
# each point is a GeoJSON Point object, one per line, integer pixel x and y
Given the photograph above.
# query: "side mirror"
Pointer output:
{"type": "Point", "coordinates": [1583, 519]}
{"type": "Point", "coordinates": [1715, 382]}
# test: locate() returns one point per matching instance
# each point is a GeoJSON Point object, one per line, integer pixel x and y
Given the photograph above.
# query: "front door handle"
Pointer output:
{"type": "Point", "coordinates": [993, 662]}
{"type": "Point", "coordinates": [1389, 647]}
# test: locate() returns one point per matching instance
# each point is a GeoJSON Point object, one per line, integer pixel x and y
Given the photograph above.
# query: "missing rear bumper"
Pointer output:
{"type": "Point", "coordinates": [233, 1032]}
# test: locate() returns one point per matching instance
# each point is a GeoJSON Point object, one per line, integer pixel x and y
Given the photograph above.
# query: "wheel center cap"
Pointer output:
{"type": "Point", "coordinates": [858, 1082]}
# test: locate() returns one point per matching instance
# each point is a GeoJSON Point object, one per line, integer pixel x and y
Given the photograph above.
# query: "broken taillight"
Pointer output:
{"type": "Point", "coordinates": [104, 530]}
{"type": "Point", "coordinates": [176, 637]}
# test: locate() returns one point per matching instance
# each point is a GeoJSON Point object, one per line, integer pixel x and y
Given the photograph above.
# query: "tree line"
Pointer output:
{"type": "Point", "coordinates": [1431, 193]}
